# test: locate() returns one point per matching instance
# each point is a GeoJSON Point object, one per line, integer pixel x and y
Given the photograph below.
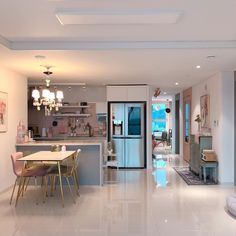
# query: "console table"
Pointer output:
{"type": "Point", "coordinates": [213, 166]}
{"type": "Point", "coordinates": [196, 148]}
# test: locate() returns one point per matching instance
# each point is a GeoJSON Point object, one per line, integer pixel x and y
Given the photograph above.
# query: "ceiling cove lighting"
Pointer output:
{"type": "Point", "coordinates": [44, 97]}
{"type": "Point", "coordinates": [112, 17]}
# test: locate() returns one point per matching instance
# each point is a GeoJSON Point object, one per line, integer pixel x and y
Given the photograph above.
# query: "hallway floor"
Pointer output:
{"type": "Point", "coordinates": [144, 202]}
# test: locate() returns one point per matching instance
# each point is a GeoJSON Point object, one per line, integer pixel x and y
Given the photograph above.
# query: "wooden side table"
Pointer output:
{"type": "Point", "coordinates": [209, 164]}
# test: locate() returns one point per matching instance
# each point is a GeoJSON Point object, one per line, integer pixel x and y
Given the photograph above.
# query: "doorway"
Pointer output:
{"type": "Point", "coordinates": [187, 101]}
{"type": "Point", "coordinates": [177, 124]}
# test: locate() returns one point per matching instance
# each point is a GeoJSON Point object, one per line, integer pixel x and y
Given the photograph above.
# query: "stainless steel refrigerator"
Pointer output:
{"type": "Point", "coordinates": [127, 132]}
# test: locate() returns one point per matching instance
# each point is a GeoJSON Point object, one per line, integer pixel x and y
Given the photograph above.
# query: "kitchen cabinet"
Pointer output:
{"type": "Point", "coordinates": [127, 93]}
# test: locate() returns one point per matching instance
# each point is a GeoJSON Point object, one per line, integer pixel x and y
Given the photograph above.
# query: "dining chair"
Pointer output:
{"type": "Point", "coordinates": [23, 173]}
{"type": "Point", "coordinates": [68, 171]}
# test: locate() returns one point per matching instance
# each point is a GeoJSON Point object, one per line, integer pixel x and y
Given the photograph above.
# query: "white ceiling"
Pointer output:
{"type": "Point", "coordinates": [157, 54]}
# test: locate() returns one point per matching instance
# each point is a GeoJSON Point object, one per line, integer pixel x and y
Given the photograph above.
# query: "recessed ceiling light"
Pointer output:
{"type": "Point", "coordinates": [211, 57]}
{"type": "Point", "coordinates": [40, 57]}
{"type": "Point", "coordinates": [164, 93]}
{"type": "Point", "coordinates": [176, 83]}
{"type": "Point", "coordinates": [198, 66]}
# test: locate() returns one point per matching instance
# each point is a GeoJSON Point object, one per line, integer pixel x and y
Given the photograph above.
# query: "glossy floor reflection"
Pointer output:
{"type": "Point", "coordinates": [144, 202]}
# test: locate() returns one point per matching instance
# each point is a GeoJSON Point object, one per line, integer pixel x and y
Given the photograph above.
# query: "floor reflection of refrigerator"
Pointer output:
{"type": "Point", "coordinates": [126, 130]}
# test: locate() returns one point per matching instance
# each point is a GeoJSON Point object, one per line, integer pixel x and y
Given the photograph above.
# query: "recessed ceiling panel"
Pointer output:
{"type": "Point", "coordinates": [83, 17]}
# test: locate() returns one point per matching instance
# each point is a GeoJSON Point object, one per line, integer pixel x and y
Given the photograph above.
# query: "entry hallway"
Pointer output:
{"type": "Point", "coordinates": [140, 204]}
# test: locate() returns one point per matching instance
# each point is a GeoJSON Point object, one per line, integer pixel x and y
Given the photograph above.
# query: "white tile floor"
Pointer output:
{"type": "Point", "coordinates": [140, 204]}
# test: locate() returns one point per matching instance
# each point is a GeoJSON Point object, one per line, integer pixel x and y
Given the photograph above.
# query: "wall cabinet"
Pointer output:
{"type": "Point", "coordinates": [127, 93]}
{"type": "Point", "coordinates": [196, 148]}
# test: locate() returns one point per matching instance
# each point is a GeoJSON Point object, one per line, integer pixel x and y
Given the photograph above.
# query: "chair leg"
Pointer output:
{"type": "Point", "coordinates": [52, 185]}
{"type": "Point", "coordinates": [45, 188]}
{"type": "Point", "coordinates": [76, 178]}
{"type": "Point", "coordinates": [13, 190]}
{"type": "Point", "coordinates": [27, 183]}
{"type": "Point", "coordinates": [36, 184]}
{"type": "Point", "coordinates": [19, 190]}
{"type": "Point", "coordinates": [23, 187]}
{"type": "Point", "coordinates": [76, 184]}
{"type": "Point", "coordinates": [68, 182]}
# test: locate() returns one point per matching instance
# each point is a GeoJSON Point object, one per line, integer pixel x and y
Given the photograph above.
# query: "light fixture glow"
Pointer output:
{"type": "Point", "coordinates": [198, 66]}
{"type": "Point", "coordinates": [35, 94]}
{"type": "Point", "coordinates": [176, 83]}
{"type": "Point", "coordinates": [48, 99]}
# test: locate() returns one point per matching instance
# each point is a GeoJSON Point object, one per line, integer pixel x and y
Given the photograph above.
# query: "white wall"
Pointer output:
{"type": "Point", "coordinates": [16, 87]}
{"type": "Point", "coordinates": [220, 87]}
{"type": "Point", "coordinates": [78, 94]}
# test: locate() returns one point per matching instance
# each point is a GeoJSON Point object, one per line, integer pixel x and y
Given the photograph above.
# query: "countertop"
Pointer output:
{"type": "Point", "coordinates": [81, 142]}
{"type": "Point", "coordinates": [66, 138]}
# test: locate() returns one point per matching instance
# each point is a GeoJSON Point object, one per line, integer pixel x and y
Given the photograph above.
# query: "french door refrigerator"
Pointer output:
{"type": "Point", "coordinates": [127, 132]}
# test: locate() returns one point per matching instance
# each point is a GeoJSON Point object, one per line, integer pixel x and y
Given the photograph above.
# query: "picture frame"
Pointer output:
{"type": "Point", "coordinates": [3, 111]}
{"type": "Point", "coordinates": [205, 111]}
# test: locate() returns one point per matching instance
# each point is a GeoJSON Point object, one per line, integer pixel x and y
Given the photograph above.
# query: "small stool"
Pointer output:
{"type": "Point", "coordinates": [209, 164]}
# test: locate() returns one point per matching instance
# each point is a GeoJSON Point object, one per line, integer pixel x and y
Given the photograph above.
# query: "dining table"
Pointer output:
{"type": "Point", "coordinates": [48, 156]}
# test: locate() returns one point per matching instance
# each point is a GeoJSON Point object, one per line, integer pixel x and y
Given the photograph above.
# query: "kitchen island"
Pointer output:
{"type": "Point", "coordinates": [90, 168]}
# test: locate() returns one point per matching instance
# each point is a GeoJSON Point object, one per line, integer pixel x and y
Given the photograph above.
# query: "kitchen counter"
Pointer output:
{"type": "Point", "coordinates": [90, 169]}
{"type": "Point", "coordinates": [63, 142]}
{"type": "Point", "coordinates": [74, 138]}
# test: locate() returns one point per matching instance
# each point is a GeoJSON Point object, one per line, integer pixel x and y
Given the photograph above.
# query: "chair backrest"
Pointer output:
{"type": "Point", "coordinates": [72, 162]}
{"type": "Point", "coordinates": [77, 158]}
{"type": "Point", "coordinates": [17, 165]}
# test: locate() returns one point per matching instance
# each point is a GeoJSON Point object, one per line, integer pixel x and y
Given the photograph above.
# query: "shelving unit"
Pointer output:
{"type": "Point", "coordinates": [69, 106]}
{"type": "Point", "coordinates": [72, 114]}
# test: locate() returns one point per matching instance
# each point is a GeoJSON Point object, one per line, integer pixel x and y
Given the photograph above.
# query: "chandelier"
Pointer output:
{"type": "Point", "coordinates": [44, 97]}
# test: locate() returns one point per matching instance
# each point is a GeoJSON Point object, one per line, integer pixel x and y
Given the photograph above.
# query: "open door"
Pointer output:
{"type": "Point", "coordinates": [187, 101]}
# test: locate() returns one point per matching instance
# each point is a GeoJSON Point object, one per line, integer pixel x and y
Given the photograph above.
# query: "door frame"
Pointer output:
{"type": "Point", "coordinates": [187, 98]}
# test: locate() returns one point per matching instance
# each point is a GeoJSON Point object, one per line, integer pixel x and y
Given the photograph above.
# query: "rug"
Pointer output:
{"type": "Point", "coordinates": [191, 178]}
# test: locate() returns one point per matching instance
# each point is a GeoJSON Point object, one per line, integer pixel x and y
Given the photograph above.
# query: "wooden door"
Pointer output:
{"type": "Point", "coordinates": [187, 101]}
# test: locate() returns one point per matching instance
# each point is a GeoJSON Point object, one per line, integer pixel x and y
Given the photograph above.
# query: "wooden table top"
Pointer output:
{"type": "Point", "coordinates": [47, 156]}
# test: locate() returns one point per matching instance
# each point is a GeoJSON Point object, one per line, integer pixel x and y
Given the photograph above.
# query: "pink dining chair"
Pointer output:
{"type": "Point", "coordinates": [23, 173]}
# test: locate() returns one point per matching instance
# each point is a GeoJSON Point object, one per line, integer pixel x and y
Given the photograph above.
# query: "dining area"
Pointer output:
{"type": "Point", "coordinates": [48, 174]}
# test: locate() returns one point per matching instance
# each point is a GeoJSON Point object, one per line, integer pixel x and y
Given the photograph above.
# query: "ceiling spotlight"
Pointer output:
{"type": "Point", "coordinates": [210, 57]}
{"type": "Point", "coordinates": [165, 93]}
{"type": "Point", "coordinates": [176, 83]}
{"type": "Point", "coordinates": [198, 66]}
{"type": "Point", "coordinates": [40, 57]}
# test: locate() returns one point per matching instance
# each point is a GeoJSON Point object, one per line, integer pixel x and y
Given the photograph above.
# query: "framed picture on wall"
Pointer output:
{"type": "Point", "coordinates": [205, 111]}
{"type": "Point", "coordinates": [3, 111]}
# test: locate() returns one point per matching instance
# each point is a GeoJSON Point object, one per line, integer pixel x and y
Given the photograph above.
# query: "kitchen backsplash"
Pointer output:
{"type": "Point", "coordinates": [67, 126]}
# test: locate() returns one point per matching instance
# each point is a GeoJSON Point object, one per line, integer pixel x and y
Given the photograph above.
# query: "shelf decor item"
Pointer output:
{"type": "Point", "coordinates": [205, 111]}
{"type": "Point", "coordinates": [198, 120]}
{"type": "Point", "coordinates": [3, 111]}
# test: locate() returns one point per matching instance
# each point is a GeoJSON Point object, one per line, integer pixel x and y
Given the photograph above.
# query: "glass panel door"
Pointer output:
{"type": "Point", "coordinates": [134, 120]}
{"type": "Point", "coordinates": [187, 117]}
